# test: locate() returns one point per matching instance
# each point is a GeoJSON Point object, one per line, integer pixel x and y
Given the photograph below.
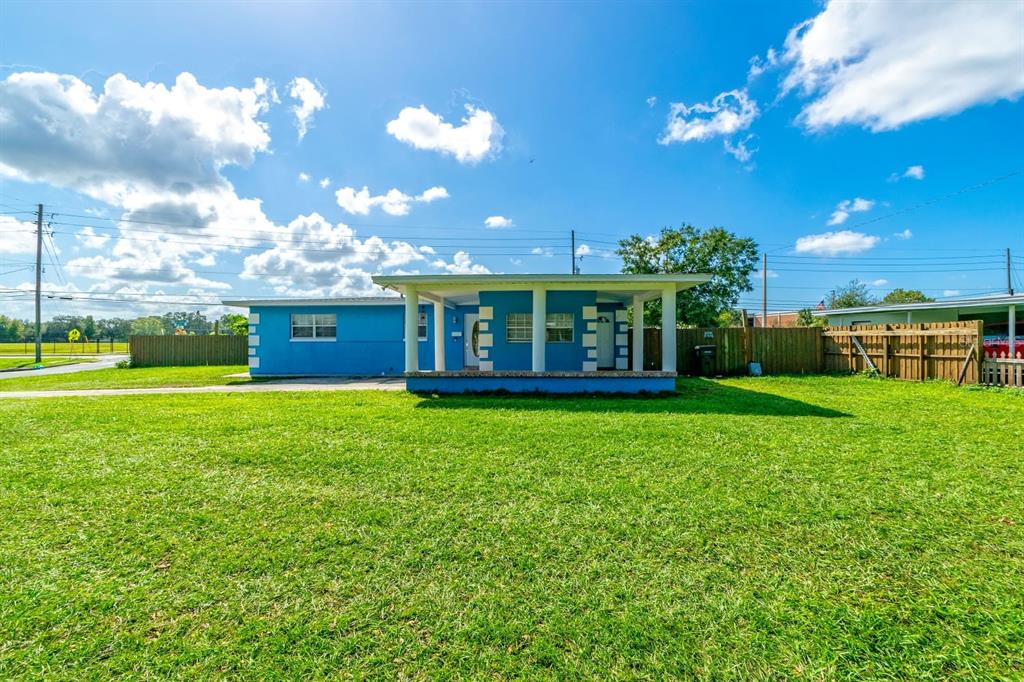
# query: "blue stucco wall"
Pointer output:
{"type": "Point", "coordinates": [518, 356]}
{"type": "Point", "coordinates": [370, 340]}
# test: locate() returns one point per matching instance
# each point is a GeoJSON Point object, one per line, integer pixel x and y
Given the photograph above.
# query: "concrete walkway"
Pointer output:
{"type": "Point", "coordinates": [283, 385]}
{"type": "Point", "coordinates": [103, 362]}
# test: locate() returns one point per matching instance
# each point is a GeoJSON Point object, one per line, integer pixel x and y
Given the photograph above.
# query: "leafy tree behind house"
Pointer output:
{"type": "Point", "coordinates": [147, 326]}
{"type": "Point", "coordinates": [235, 324]}
{"type": "Point", "coordinates": [853, 295]}
{"type": "Point", "coordinates": [190, 322]}
{"type": "Point", "coordinates": [906, 296]}
{"type": "Point", "coordinates": [12, 329]}
{"type": "Point", "coordinates": [806, 318]}
{"type": "Point", "coordinates": [730, 260]}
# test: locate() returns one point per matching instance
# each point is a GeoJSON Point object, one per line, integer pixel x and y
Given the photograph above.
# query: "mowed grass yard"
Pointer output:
{"type": "Point", "coordinates": [18, 363]}
{"type": "Point", "coordinates": [748, 528]}
{"type": "Point", "coordinates": [135, 377]}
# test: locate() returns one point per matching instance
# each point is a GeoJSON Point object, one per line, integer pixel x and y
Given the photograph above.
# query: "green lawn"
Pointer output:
{"type": "Point", "coordinates": [15, 363]}
{"type": "Point", "coordinates": [63, 348]}
{"type": "Point", "coordinates": [136, 377]}
{"type": "Point", "coordinates": [749, 528]}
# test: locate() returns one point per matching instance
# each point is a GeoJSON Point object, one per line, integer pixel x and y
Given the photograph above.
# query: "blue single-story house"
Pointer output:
{"type": "Point", "coordinates": [519, 333]}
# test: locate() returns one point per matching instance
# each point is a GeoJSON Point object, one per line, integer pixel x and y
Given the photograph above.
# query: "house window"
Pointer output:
{"type": "Point", "coordinates": [519, 327]}
{"type": "Point", "coordinates": [310, 327]}
{"type": "Point", "coordinates": [559, 328]}
{"type": "Point", "coordinates": [421, 327]}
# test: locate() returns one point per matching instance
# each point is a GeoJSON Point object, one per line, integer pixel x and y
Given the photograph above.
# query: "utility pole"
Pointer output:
{"type": "Point", "coordinates": [764, 290]}
{"type": "Point", "coordinates": [39, 284]}
{"type": "Point", "coordinates": [573, 271]}
{"type": "Point", "coordinates": [1009, 275]}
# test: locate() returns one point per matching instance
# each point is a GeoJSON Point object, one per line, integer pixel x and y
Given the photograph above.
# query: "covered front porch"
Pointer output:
{"type": "Point", "coordinates": [538, 333]}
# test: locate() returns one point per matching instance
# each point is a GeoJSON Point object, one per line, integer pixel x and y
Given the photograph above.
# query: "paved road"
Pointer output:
{"type": "Point", "coordinates": [283, 385]}
{"type": "Point", "coordinates": [103, 362]}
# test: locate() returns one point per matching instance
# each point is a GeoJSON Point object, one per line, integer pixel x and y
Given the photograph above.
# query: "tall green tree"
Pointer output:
{"type": "Point", "coordinates": [906, 296]}
{"type": "Point", "coordinates": [147, 326]}
{"type": "Point", "coordinates": [730, 260]}
{"type": "Point", "coordinates": [853, 295]}
{"type": "Point", "coordinates": [235, 324]}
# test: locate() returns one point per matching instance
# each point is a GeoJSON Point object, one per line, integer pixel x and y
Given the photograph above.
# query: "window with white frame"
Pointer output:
{"type": "Point", "coordinates": [421, 327]}
{"type": "Point", "coordinates": [519, 327]}
{"type": "Point", "coordinates": [312, 327]}
{"type": "Point", "coordinates": [558, 328]}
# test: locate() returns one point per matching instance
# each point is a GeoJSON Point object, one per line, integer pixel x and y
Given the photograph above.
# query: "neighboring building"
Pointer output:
{"type": "Point", "coordinates": [559, 333]}
{"type": "Point", "coordinates": [999, 314]}
{"type": "Point", "coordinates": [787, 318]}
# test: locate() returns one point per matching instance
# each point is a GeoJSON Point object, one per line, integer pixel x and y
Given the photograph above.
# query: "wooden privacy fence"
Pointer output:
{"type": "Point", "coordinates": [938, 350]}
{"type": "Point", "coordinates": [168, 351]}
{"type": "Point", "coordinates": [794, 350]}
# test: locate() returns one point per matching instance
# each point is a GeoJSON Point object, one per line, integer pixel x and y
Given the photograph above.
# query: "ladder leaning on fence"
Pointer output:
{"type": "Point", "coordinates": [1003, 370]}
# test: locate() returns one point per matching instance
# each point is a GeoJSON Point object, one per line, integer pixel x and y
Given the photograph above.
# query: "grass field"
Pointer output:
{"type": "Point", "coordinates": [749, 528]}
{"type": "Point", "coordinates": [64, 348]}
{"type": "Point", "coordinates": [136, 377]}
{"type": "Point", "coordinates": [15, 363]}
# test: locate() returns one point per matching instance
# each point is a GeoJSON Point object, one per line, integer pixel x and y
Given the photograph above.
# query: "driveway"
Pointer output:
{"type": "Point", "coordinates": [279, 386]}
{"type": "Point", "coordinates": [102, 362]}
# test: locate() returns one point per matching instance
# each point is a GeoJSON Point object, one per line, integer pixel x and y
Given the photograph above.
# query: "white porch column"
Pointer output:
{"type": "Point", "coordinates": [638, 333]}
{"type": "Point", "coordinates": [412, 326]}
{"type": "Point", "coordinates": [540, 315]}
{"type": "Point", "coordinates": [1013, 330]}
{"type": "Point", "coordinates": [439, 335]}
{"type": "Point", "coordinates": [668, 328]}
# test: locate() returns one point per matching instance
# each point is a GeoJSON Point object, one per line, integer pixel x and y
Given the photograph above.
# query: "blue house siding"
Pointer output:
{"type": "Point", "coordinates": [370, 339]}
{"type": "Point", "coordinates": [369, 342]}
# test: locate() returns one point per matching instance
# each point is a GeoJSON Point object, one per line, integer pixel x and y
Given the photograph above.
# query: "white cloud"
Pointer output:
{"type": "Point", "coordinates": [759, 65]}
{"type": "Point", "coordinates": [477, 138]}
{"type": "Point", "coordinates": [740, 151]}
{"type": "Point", "coordinates": [583, 250]}
{"type": "Point", "coordinates": [16, 236]}
{"type": "Point", "coordinates": [950, 292]}
{"type": "Point", "coordinates": [883, 65]}
{"type": "Point", "coordinates": [757, 274]}
{"type": "Point", "coordinates": [311, 99]}
{"type": "Point", "coordinates": [847, 206]}
{"type": "Point", "coordinates": [325, 183]}
{"type": "Point", "coordinates": [91, 239]}
{"type": "Point", "coordinates": [393, 202]}
{"type": "Point", "coordinates": [462, 264]}
{"type": "Point", "coordinates": [878, 282]}
{"type": "Point", "coordinates": [905, 234]}
{"type": "Point", "coordinates": [915, 172]}
{"type": "Point", "coordinates": [498, 221]}
{"type": "Point", "coordinates": [303, 177]}
{"type": "Point", "coordinates": [651, 101]}
{"type": "Point", "coordinates": [839, 243]}
{"type": "Point", "coordinates": [545, 251]}
{"type": "Point", "coordinates": [728, 113]}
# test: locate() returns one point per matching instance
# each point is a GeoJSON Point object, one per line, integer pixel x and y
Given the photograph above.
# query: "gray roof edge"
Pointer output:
{"type": "Point", "coordinates": [977, 302]}
{"type": "Point", "coordinates": [350, 300]}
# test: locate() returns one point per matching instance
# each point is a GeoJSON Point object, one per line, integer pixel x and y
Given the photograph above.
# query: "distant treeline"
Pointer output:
{"type": "Point", "coordinates": [119, 329]}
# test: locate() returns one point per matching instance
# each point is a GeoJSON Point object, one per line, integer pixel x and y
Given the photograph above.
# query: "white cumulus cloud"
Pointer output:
{"type": "Point", "coordinates": [842, 243]}
{"type": "Point", "coordinates": [847, 206]}
{"type": "Point", "coordinates": [303, 177]}
{"type": "Point", "coordinates": [728, 113]}
{"type": "Point", "coordinates": [905, 234]}
{"type": "Point", "coordinates": [478, 137]}
{"type": "Point", "coordinates": [310, 98]}
{"type": "Point", "coordinates": [392, 202]}
{"type": "Point", "coordinates": [325, 183]}
{"type": "Point", "coordinates": [497, 222]}
{"type": "Point", "coordinates": [883, 65]}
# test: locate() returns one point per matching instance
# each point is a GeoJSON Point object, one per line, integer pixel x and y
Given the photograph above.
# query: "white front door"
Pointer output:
{"type": "Point", "coordinates": [605, 341]}
{"type": "Point", "coordinates": [471, 340]}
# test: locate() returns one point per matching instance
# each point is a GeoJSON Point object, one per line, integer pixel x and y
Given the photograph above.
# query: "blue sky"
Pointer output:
{"type": "Point", "coordinates": [607, 119]}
